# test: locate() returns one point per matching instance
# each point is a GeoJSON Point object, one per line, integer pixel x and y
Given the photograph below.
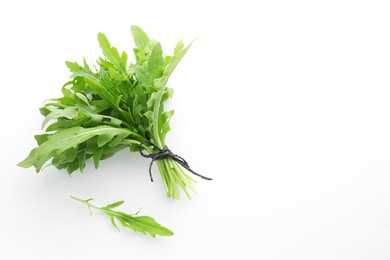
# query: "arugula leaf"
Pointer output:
{"type": "Point", "coordinates": [67, 112]}
{"type": "Point", "coordinates": [61, 142]}
{"type": "Point", "coordinates": [140, 37]}
{"type": "Point", "coordinates": [142, 224]}
{"type": "Point", "coordinates": [111, 53]}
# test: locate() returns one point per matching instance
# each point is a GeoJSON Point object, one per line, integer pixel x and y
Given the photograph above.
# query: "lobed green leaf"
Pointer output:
{"type": "Point", "coordinates": [142, 224]}
{"type": "Point", "coordinates": [63, 140]}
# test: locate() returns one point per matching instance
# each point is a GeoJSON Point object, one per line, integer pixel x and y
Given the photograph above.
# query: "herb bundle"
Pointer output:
{"type": "Point", "coordinates": [111, 107]}
{"type": "Point", "coordinates": [114, 105]}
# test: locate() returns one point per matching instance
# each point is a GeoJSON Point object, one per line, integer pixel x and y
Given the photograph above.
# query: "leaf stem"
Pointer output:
{"type": "Point", "coordinates": [86, 202]}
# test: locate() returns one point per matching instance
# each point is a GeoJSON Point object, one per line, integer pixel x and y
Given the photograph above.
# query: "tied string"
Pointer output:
{"type": "Point", "coordinates": [163, 154]}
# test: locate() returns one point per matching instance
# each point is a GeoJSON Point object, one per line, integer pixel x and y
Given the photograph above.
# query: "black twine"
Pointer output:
{"type": "Point", "coordinates": [163, 154]}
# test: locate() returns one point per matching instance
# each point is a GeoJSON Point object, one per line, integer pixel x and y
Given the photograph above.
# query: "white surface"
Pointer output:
{"type": "Point", "coordinates": [284, 103]}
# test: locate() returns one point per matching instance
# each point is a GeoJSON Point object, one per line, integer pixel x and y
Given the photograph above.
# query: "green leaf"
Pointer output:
{"type": "Point", "coordinates": [116, 75]}
{"type": "Point", "coordinates": [142, 224]}
{"type": "Point", "coordinates": [113, 222]}
{"type": "Point", "coordinates": [115, 204]}
{"type": "Point", "coordinates": [115, 121]}
{"type": "Point", "coordinates": [140, 37]}
{"type": "Point", "coordinates": [83, 98]}
{"type": "Point", "coordinates": [65, 139]}
{"type": "Point", "coordinates": [124, 59]}
{"type": "Point", "coordinates": [105, 138]}
{"type": "Point", "coordinates": [157, 99]}
{"type": "Point", "coordinates": [68, 113]}
{"type": "Point", "coordinates": [94, 121]}
{"type": "Point", "coordinates": [111, 53]}
{"type": "Point", "coordinates": [179, 53]}
{"type": "Point", "coordinates": [70, 154]}
{"type": "Point", "coordinates": [41, 138]}
{"type": "Point", "coordinates": [97, 155]}
{"type": "Point", "coordinates": [73, 66]}
{"type": "Point", "coordinates": [102, 92]}
{"type": "Point", "coordinates": [117, 140]}
{"type": "Point", "coordinates": [155, 61]}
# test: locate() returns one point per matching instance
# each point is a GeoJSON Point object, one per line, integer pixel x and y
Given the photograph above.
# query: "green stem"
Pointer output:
{"type": "Point", "coordinates": [173, 176]}
{"type": "Point", "coordinates": [89, 205]}
{"type": "Point", "coordinates": [86, 202]}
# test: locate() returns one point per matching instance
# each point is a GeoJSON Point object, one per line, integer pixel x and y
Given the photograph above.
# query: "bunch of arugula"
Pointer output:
{"type": "Point", "coordinates": [111, 107]}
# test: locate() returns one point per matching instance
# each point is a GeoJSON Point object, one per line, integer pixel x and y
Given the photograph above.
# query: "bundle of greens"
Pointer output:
{"type": "Point", "coordinates": [113, 106]}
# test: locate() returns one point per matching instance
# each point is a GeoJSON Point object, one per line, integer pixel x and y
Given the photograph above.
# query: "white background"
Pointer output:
{"type": "Point", "coordinates": [284, 103]}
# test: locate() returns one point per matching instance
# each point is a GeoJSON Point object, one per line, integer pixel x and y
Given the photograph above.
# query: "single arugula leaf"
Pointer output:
{"type": "Point", "coordinates": [142, 224]}
{"type": "Point", "coordinates": [67, 112]}
{"type": "Point", "coordinates": [60, 142]}
{"type": "Point", "coordinates": [111, 53]}
{"type": "Point", "coordinates": [140, 37]}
